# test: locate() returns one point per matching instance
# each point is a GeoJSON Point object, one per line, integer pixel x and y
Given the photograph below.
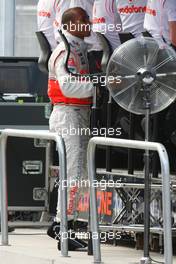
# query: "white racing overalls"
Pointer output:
{"type": "Point", "coordinates": [107, 21]}
{"type": "Point", "coordinates": [127, 15]}
{"type": "Point", "coordinates": [49, 14]}
{"type": "Point", "coordinates": [132, 14]}
{"type": "Point", "coordinates": [157, 23]}
{"type": "Point", "coordinates": [70, 116]}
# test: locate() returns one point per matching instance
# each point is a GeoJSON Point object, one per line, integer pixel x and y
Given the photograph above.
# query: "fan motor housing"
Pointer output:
{"type": "Point", "coordinates": [147, 76]}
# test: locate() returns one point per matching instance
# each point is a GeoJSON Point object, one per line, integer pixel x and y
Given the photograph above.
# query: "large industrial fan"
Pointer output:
{"type": "Point", "coordinates": [141, 77]}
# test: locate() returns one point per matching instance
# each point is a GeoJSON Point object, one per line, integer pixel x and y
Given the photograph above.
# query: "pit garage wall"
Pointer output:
{"type": "Point", "coordinates": [18, 32]}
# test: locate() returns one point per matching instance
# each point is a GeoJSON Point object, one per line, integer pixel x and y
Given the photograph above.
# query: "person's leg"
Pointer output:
{"type": "Point", "coordinates": [76, 141]}
{"type": "Point", "coordinates": [72, 123]}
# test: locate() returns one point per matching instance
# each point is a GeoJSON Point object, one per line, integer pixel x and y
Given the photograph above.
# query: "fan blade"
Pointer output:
{"type": "Point", "coordinates": [124, 66]}
{"type": "Point", "coordinates": [165, 86]}
{"type": "Point", "coordinates": [153, 56]}
{"type": "Point", "coordinates": [162, 63]}
{"type": "Point", "coordinates": [124, 90]}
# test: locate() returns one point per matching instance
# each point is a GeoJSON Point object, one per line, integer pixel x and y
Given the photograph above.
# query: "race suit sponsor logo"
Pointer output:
{"type": "Point", "coordinates": [44, 14]}
{"type": "Point", "coordinates": [99, 20]}
{"type": "Point", "coordinates": [73, 192]}
{"type": "Point", "coordinates": [71, 62]}
{"type": "Point", "coordinates": [150, 11]}
{"type": "Point", "coordinates": [136, 9]}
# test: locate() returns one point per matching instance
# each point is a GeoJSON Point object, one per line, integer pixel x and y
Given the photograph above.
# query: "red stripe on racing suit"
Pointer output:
{"type": "Point", "coordinates": [63, 87]}
{"type": "Point", "coordinates": [56, 95]}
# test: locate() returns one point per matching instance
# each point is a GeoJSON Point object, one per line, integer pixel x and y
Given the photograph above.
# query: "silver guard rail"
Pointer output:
{"type": "Point", "coordinates": [166, 198]}
{"type": "Point", "coordinates": [40, 134]}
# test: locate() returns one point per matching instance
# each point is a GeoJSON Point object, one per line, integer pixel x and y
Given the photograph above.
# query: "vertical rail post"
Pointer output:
{"type": "Point", "coordinates": [166, 201]}
{"type": "Point", "coordinates": [93, 203]}
{"type": "Point", "coordinates": [3, 190]}
{"type": "Point", "coordinates": [63, 196]}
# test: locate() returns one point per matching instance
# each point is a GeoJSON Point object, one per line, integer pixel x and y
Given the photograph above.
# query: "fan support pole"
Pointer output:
{"type": "Point", "coordinates": [147, 180]}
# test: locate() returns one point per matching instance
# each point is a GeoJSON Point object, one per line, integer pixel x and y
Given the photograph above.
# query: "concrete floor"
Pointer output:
{"type": "Point", "coordinates": [32, 246]}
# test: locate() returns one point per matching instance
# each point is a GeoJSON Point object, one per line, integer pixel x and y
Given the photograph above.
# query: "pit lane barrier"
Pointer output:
{"type": "Point", "coordinates": [166, 197]}
{"type": "Point", "coordinates": [39, 134]}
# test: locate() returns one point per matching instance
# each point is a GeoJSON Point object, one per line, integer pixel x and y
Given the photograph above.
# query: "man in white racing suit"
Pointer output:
{"type": "Point", "coordinates": [161, 24]}
{"type": "Point", "coordinates": [107, 21]}
{"type": "Point", "coordinates": [88, 6]}
{"type": "Point", "coordinates": [132, 14]}
{"type": "Point", "coordinates": [128, 15]}
{"type": "Point", "coordinates": [94, 45]}
{"type": "Point", "coordinates": [49, 13]}
{"type": "Point", "coordinates": [71, 99]}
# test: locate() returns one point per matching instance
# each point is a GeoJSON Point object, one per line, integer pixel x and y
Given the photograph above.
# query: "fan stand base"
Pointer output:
{"type": "Point", "coordinates": [145, 260]}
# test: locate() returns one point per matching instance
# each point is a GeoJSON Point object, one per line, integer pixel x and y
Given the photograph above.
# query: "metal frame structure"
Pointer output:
{"type": "Point", "coordinates": [39, 134]}
{"type": "Point", "coordinates": [166, 198]}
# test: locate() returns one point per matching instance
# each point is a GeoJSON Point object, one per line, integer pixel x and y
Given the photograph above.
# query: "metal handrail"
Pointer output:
{"type": "Point", "coordinates": [166, 198]}
{"type": "Point", "coordinates": [40, 134]}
